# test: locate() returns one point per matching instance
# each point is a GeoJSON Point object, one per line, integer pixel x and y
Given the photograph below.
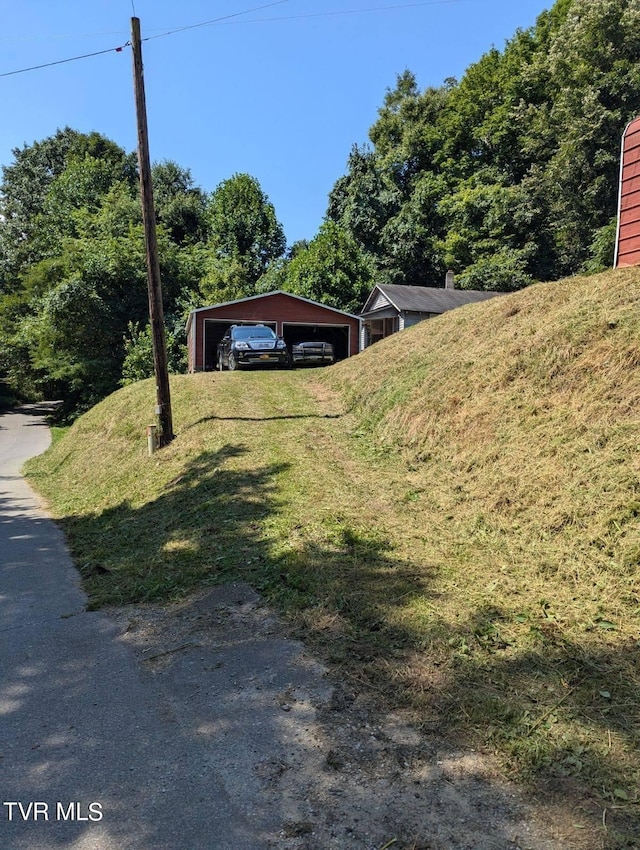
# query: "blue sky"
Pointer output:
{"type": "Point", "coordinates": [282, 92]}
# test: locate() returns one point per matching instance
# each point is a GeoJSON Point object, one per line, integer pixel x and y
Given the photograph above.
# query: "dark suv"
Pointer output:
{"type": "Point", "coordinates": [251, 345]}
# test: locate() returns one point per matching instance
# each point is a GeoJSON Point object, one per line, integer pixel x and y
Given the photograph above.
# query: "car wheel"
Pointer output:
{"type": "Point", "coordinates": [232, 363]}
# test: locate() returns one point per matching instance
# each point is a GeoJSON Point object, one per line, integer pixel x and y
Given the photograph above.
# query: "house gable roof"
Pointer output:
{"type": "Point", "coordinates": [421, 299]}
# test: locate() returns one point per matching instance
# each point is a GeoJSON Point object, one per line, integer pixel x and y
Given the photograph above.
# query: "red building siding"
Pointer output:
{"type": "Point", "coordinates": [277, 309]}
{"type": "Point", "coordinates": [628, 240]}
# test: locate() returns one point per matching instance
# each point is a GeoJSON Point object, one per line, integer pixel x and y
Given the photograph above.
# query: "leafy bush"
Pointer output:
{"type": "Point", "coordinates": [138, 347]}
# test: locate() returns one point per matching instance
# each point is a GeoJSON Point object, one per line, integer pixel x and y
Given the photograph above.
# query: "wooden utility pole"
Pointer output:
{"type": "Point", "coordinates": [156, 316]}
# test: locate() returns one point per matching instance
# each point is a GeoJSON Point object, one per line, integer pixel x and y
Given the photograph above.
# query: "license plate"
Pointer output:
{"type": "Point", "coordinates": [265, 357]}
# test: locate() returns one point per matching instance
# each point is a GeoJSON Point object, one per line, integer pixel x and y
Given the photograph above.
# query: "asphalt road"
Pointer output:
{"type": "Point", "coordinates": [101, 752]}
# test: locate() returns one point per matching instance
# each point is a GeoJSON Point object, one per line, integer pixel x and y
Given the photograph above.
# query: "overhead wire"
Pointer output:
{"type": "Point", "coordinates": [347, 12]}
{"type": "Point", "coordinates": [216, 20]}
{"type": "Point", "coordinates": [225, 19]}
{"type": "Point", "coordinates": [50, 36]}
{"type": "Point", "coordinates": [170, 32]}
{"type": "Point", "coordinates": [62, 61]}
{"type": "Point", "coordinates": [148, 38]}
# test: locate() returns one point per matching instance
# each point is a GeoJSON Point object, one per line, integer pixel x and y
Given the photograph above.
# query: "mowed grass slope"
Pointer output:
{"type": "Point", "coordinates": [451, 518]}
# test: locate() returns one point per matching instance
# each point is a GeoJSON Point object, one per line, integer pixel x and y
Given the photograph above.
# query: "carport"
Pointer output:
{"type": "Point", "coordinates": [293, 317]}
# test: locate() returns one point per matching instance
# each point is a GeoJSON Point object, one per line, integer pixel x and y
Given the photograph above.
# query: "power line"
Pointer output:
{"type": "Point", "coordinates": [127, 44]}
{"type": "Point", "coordinates": [62, 61]}
{"type": "Point", "coordinates": [228, 19]}
{"type": "Point", "coordinates": [225, 19]}
{"type": "Point", "coordinates": [53, 35]}
{"type": "Point", "coordinates": [216, 20]}
{"type": "Point", "coordinates": [348, 12]}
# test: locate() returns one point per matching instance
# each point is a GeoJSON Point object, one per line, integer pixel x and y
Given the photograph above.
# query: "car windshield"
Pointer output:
{"type": "Point", "coordinates": [252, 333]}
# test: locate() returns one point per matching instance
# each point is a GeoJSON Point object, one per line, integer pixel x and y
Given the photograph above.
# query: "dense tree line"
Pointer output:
{"type": "Point", "coordinates": [510, 174]}
{"type": "Point", "coordinates": [73, 290]}
{"type": "Point", "coordinates": [506, 176]}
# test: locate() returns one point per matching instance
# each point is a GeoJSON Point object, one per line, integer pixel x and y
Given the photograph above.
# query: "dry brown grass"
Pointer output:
{"type": "Point", "coordinates": [529, 431]}
{"type": "Point", "coordinates": [517, 422]}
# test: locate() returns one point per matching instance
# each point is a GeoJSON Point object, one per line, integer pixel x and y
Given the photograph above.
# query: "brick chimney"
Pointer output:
{"type": "Point", "coordinates": [450, 280]}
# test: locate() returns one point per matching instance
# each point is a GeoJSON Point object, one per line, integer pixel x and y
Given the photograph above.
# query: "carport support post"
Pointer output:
{"type": "Point", "coordinates": [156, 316]}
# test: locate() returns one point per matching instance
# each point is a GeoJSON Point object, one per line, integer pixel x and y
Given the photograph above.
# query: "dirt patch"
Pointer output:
{"type": "Point", "coordinates": [330, 767]}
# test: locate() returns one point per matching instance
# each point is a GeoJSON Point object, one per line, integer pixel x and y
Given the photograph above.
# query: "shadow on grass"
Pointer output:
{"type": "Point", "coordinates": [283, 417]}
{"type": "Point", "coordinates": [546, 708]}
{"type": "Point", "coordinates": [565, 713]}
{"type": "Point", "coordinates": [205, 527]}
{"type": "Point", "coordinates": [81, 722]}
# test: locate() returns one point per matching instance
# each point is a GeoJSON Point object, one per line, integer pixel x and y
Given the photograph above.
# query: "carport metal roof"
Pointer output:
{"type": "Point", "coordinates": [267, 295]}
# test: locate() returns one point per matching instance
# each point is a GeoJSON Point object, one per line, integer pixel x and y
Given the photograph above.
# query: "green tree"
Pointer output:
{"type": "Point", "coordinates": [332, 270]}
{"type": "Point", "coordinates": [488, 233]}
{"type": "Point", "coordinates": [75, 272]}
{"type": "Point", "coordinates": [593, 72]}
{"type": "Point", "coordinates": [602, 250]}
{"type": "Point", "coordinates": [26, 200]}
{"type": "Point", "coordinates": [138, 350]}
{"type": "Point", "coordinates": [363, 201]}
{"type": "Point", "coordinates": [509, 174]}
{"type": "Point", "coordinates": [180, 205]}
{"type": "Point", "coordinates": [245, 236]}
{"type": "Point", "coordinates": [275, 277]}
{"type": "Point", "coordinates": [225, 279]}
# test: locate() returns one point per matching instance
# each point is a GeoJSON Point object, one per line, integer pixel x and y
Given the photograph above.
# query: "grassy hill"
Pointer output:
{"type": "Point", "coordinates": [450, 518]}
